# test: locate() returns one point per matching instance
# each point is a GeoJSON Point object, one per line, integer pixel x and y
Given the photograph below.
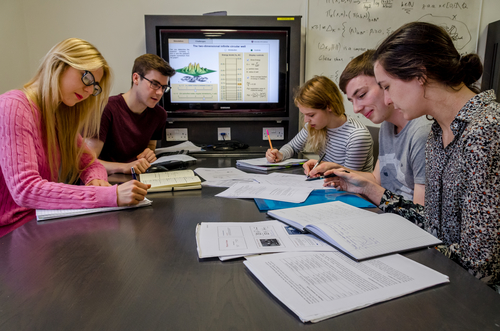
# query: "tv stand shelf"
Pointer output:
{"type": "Point", "coordinates": [231, 119]}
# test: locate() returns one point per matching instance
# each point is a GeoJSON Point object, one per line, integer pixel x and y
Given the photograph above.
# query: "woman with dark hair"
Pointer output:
{"type": "Point", "coordinates": [422, 73]}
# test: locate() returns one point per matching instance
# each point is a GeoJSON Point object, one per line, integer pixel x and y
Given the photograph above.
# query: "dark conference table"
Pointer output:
{"type": "Point", "coordinates": [139, 270]}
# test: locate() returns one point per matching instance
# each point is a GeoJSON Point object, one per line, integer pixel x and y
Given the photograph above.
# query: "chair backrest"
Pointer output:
{"type": "Point", "coordinates": [374, 130]}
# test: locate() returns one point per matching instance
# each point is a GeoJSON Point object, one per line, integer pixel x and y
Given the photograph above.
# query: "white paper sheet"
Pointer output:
{"type": "Point", "coordinates": [262, 161]}
{"type": "Point", "coordinates": [247, 238]}
{"type": "Point", "coordinates": [223, 177]}
{"type": "Point", "coordinates": [220, 173]}
{"type": "Point", "coordinates": [175, 157]}
{"type": "Point", "coordinates": [261, 191]}
{"type": "Point", "coordinates": [277, 178]}
{"type": "Point", "coordinates": [48, 214]}
{"type": "Point", "coordinates": [186, 146]}
{"type": "Point", "coordinates": [321, 285]}
{"type": "Point", "coordinates": [320, 213]}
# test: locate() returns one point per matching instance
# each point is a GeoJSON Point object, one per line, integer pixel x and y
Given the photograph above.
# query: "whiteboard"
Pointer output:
{"type": "Point", "coordinates": [340, 30]}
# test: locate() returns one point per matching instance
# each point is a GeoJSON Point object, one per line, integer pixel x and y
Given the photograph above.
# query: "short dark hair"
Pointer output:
{"type": "Point", "coordinates": [420, 49]}
{"type": "Point", "coordinates": [360, 65]}
{"type": "Point", "coordinates": [147, 62]}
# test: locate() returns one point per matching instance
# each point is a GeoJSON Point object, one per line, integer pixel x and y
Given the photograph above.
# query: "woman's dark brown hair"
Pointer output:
{"type": "Point", "coordinates": [426, 51]}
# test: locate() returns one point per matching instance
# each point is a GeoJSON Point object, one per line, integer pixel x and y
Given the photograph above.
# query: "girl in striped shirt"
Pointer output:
{"type": "Point", "coordinates": [327, 130]}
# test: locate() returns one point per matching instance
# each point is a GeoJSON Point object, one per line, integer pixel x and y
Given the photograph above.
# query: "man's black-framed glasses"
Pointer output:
{"type": "Point", "coordinates": [156, 86]}
{"type": "Point", "coordinates": [88, 79]}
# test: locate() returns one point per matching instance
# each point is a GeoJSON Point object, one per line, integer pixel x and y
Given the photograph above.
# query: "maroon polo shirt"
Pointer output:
{"type": "Point", "coordinates": [126, 134]}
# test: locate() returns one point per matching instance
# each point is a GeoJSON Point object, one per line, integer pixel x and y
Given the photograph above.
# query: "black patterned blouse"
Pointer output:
{"type": "Point", "coordinates": [462, 192]}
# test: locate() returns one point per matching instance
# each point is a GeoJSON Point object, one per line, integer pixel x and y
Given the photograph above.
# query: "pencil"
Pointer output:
{"type": "Point", "coordinates": [269, 138]}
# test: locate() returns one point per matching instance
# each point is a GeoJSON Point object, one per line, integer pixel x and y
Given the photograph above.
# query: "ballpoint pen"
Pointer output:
{"type": "Point", "coordinates": [320, 159]}
{"type": "Point", "coordinates": [134, 176]}
{"type": "Point", "coordinates": [323, 177]}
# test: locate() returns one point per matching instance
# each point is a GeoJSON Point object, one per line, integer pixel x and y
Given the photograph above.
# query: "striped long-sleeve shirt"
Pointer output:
{"type": "Point", "coordinates": [349, 145]}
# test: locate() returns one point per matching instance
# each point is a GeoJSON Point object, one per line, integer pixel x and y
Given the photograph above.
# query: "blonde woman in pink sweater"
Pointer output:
{"type": "Point", "coordinates": [42, 153]}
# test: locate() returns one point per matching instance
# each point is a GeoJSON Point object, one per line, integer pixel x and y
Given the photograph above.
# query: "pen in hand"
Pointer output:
{"type": "Point", "coordinates": [317, 163]}
{"type": "Point", "coordinates": [134, 176]}
{"type": "Point", "coordinates": [323, 177]}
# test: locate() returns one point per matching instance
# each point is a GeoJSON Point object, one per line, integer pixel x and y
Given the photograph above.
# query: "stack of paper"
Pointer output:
{"type": "Point", "coordinates": [221, 239]}
{"type": "Point", "coordinates": [261, 164]}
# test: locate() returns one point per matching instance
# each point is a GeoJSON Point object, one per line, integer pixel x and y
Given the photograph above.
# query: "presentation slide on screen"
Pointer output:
{"type": "Point", "coordinates": [226, 70]}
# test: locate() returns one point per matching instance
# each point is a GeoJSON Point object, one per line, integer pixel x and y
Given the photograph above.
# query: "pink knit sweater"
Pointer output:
{"type": "Point", "coordinates": [25, 178]}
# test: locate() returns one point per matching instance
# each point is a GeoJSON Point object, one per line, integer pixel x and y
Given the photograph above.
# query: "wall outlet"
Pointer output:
{"type": "Point", "coordinates": [177, 134]}
{"type": "Point", "coordinates": [227, 132]}
{"type": "Point", "coordinates": [274, 133]}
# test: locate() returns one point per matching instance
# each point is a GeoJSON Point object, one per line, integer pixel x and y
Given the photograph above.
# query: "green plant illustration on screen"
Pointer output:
{"type": "Point", "coordinates": [194, 70]}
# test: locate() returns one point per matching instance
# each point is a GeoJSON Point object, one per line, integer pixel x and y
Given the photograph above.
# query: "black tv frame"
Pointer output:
{"type": "Point", "coordinates": [491, 72]}
{"type": "Point", "coordinates": [290, 119]}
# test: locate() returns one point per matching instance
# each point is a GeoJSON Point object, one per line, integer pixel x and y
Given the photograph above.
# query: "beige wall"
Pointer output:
{"type": "Point", "coordinates": [14, 60]}
{"type": "Point", "coordinates": [29, 28]}
{"type": "Point", "coordinates": [115, 27]}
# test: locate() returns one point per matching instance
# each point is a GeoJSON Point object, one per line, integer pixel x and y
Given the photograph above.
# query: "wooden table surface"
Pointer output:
{"type": "Point", "coordinates": [138, 270]}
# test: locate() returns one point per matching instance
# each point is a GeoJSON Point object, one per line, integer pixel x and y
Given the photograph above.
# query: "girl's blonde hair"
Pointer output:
{"type": "Point", "coordinates": [61, 124]}
{"type": "Point", "coordinates": [319, 93]}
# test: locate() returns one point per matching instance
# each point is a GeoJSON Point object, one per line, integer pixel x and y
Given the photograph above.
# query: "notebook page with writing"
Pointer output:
{"type": "Point", "coordinates": [166, 174]}
{"type": "Point", "coordinates": [176, 181]}
{"type": "Point", "coordinates": [374, 236]}
{"type": "Point", "coordinates": [357, 232]}
{"type": "Point", "coordinates": [300, 217]}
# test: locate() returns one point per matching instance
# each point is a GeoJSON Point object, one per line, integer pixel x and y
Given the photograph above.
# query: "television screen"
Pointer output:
{"type": "Point", "coordinates": [225, 71]}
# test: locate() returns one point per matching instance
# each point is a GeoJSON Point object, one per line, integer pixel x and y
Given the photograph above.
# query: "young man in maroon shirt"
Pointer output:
{"type": "Point", "coordinates": [132, 122]}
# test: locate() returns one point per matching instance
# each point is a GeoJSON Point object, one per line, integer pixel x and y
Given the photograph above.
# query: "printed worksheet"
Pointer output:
{"type": "Point", "coordinates": [320, 285]}
{"type": "Point", "coordinates": [248, 238]}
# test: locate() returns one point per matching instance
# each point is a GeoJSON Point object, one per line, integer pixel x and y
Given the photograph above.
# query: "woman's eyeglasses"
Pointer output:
{"type": "Point", "coordinates": [156, 86]}
{"type": "Point", "coordinates": [88, 79]}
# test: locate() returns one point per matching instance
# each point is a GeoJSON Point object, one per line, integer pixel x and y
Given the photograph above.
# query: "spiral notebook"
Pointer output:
{"type": "Point", "coordinates": [48, 214]}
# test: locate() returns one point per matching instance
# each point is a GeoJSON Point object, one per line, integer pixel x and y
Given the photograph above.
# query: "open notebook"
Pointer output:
{"type": "Point", "coordinates": [178, 180]}
{"type": "Point", "coordinates": [48, 214]}
{"type": "Point", "coordinates": [356, 232]}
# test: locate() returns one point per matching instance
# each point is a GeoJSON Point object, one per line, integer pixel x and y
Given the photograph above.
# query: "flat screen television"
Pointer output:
{"type": "Point", "coordinates": [225, 66]}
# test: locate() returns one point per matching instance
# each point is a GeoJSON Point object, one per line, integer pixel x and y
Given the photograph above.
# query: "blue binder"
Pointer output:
{"type": "Point", "coordinates": [316, 196]}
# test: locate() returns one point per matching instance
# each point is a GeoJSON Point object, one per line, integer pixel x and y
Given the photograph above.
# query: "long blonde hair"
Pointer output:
{"type": "Point", "coordinates": [319, 93]}
{"type": "Point", "coordinates": [61, 124]}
